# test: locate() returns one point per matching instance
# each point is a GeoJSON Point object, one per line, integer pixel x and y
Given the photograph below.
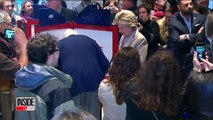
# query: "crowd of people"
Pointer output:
{"type": "Point", "coordinates": [156, 74]}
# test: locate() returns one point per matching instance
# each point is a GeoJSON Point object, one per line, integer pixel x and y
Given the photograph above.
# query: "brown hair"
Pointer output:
{"type": "Point", "coordinates": [125, 64]}
{"type": "Point", "coordinates": [23, 7]}
{"type": "Point", "coordinates": [157, 85]}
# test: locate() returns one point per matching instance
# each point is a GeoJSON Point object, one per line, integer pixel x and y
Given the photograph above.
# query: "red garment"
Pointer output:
{"type": "Point", "coordinates": [158, 12]}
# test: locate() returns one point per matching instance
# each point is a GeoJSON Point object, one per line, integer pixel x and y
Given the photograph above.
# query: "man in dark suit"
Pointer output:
{"type": "Point", "coordinates": [82, 5]}
{"type": "Point", "coordinates": [8, 62]}
{"type": "Point", "coordinates": [185, 29]}
{"type": "Point", "coordinates": [82, 58]}
{"type": "Point", "coordinates": [57, 6]}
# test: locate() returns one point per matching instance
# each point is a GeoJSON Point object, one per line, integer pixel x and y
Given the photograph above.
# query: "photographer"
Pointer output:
{"type": "Point", "coordinates": [200, 84]}
{"type": "Point", "coordinates": [8, 61]}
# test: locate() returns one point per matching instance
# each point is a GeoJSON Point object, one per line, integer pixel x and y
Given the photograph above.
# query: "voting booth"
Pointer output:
{"type": "Point", "coordinates": [46, 20]}
{"type": "Point", "coordinates": [105, 36]}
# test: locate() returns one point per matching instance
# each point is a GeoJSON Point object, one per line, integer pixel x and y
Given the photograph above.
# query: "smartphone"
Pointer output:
{"type": "Point", "coordinates": [9, 34]}
{"type": "Point", "coordinates": [200, 49]}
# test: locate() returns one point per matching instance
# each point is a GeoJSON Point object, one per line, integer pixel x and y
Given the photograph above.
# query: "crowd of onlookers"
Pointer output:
{"type": "Point", "coordinates": [158, 73]}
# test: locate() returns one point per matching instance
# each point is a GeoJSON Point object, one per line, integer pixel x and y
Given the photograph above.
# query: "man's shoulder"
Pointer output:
{"type": "Point", "coordinates": [79, 38]}
{"type": "Point", "coordinates": [199, 16]}
{"type": "Point", "coordinates": [174, 19]}
{"type": "Point", "coordinates": [139, 37]}
{"type": "Point", "coordinates": [68, 11]}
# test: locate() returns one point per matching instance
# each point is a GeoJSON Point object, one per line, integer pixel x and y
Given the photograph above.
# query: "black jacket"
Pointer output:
{"type": "Point", "coordinates": [199, 96]}
{"type": "Point", "coordinates": [152, 33]}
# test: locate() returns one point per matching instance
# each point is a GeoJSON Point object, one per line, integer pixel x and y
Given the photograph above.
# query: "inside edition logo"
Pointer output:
{"type": "Point", "coordinates": [25, 103]}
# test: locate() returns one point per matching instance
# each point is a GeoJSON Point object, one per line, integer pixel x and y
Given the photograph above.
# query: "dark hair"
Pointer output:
{"type": "Point", "coordinates": [1, 4]}
{"type": "Point", "coordinates": [64, 4]}
{"type": "Point", "coordinates": [171, 10]}
{"type": "Point", "coordinates": [40, 46]}
{"type": "Point", "coordinates": [157, 85]}
{"type": "Point", "coordinates": [125, 64]}
{"type": "Point", "coordinates": [35, 1]}
{"type": "Point", "coordinates": [200, 9]}
{"type": "Point", "coordinates": [134, 2]}
{"type": "Point", "coordinates": [147, 6]}
{"type": "Point", "coordinates": [109, 1]}
{"type": "Point", "coordinates": [178, 1]}
{"type": "Point", "coordinates": [74, 115]}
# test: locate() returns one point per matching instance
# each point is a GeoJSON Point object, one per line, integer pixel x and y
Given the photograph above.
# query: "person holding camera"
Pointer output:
{"type": "Point", "coordinates": [200, 83]}
{"type": "Point", "coordinates": [185, 28]}
{"type": "Point", "coordinates": [8, 61]}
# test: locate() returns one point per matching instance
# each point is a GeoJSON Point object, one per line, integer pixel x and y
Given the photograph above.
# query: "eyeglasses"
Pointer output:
{"type": "Point", "coordinates": [52, 51]}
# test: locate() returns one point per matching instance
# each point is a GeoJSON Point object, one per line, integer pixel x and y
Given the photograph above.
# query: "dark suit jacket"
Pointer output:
{"type": "Point", "coordinates": [199, 85]}
{"type": "Point", "coordinates": [178, 27]}
{"type": "Point", "coordinates": [8, 67]}
{"type": "Point", "coordinates": [68, 14]}
{"type": "Point", "coordinates": [82, 58]}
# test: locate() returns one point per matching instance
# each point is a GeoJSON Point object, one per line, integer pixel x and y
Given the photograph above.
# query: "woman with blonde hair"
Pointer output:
{"type": "Point", "coordinates": [131, 37]}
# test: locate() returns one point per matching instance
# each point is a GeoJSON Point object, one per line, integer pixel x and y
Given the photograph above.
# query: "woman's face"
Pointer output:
{"type": "Point", "coordinates": [28, 8]}
{"type": "Point", "coordinates": [124, 29]}
{"type": "Point", "coordinates": [143, 15]}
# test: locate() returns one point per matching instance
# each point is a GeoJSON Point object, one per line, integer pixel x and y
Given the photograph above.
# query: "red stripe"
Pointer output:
{"type": "Point", "coordinates": [21, 108]}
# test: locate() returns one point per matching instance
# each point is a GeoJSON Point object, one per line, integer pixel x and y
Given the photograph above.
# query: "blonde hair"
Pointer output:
{"type": "Point", "coordinates": [128, 18]}
{"type": "Point", "coordinates": [4, 17]}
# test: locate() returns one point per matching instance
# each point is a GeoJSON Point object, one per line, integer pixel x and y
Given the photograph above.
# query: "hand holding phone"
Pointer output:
{"type": "Point", "coordinates": [200, 49]}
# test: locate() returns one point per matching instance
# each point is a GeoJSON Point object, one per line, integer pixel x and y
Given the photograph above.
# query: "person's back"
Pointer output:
{"type": "Point", "coordinates": [56, 5]}
{"type": "Point", "coordinates": [82, 5]}
{"type": "Point", "coordinates": [200, 83]}
{"type": "Point", "coordinates": [134, 112]}
{"type": "Point", "coordinates": [8, 61]}
{"type": "Point", "coordinates": [43, 80]}
{"type": "Point", "coordinates": [201, 86]}
{"type": "Point", "coordinates": [83, 62]}
{"type": "Point", "coordinates": [124, 66]}
{"type": "Point", "coordinates": [154, 92]}
{"type": "Point", "coordinates": [82, 58]}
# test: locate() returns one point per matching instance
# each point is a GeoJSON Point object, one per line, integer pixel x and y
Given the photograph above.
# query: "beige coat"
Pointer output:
{"type": "Point", "coordinates": [137, 41]}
